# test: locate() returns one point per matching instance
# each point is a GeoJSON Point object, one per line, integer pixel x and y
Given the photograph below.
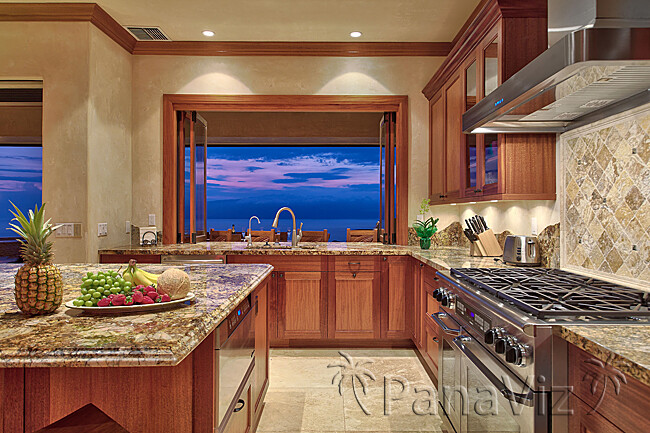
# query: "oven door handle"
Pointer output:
{"type": "Point", "coordinates": [525, 399]}
{"type": "Point", "coordinates": [437, 318]}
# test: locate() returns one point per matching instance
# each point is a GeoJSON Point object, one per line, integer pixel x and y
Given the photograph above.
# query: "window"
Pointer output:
{"type": "Point", "coordinates": [331, 188]}
{"type": "Point", "coordinates": [21, 177]}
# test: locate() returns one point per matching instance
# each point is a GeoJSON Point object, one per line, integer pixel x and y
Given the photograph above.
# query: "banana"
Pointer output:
{"type": "Point", "coordinates": [151, 277]}
{"type": "Point", "coordinates": [140, 278]}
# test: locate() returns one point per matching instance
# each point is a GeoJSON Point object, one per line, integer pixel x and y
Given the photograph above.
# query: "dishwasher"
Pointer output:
{"type": "Point", "coordinates": [235, 344]}
{"type": "Point", "coordinates": [192, 259]}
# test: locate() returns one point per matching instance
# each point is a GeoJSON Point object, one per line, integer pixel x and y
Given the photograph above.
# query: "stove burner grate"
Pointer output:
{"type": "Point", "coordinates": [549, 293]}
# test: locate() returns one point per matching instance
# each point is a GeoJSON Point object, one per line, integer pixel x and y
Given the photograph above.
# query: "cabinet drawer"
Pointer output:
{"type": "Point", "coordinates": [355, 264]}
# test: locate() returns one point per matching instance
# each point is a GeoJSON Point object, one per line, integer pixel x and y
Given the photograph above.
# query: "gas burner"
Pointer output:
{"type": "Point", "coordinates": [553, 293]}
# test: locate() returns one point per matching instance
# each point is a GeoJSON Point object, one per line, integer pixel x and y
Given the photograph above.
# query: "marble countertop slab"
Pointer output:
{"type": "Point", "coordinates": [438, 257]}
{"type": "Point", "coordinates": [73, 339]}
{"type": "Point", "coordinates": [625, 347]}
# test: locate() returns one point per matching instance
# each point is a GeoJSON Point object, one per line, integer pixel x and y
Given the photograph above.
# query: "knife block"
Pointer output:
{"type": "Point", "coordinates": [486, 246]}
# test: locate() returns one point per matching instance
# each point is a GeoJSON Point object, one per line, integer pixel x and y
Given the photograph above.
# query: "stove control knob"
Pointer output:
{"type": "Point", "coordinates": [441, 294]}
{"type": "Point", "coordinates": [502, 343]}
{"type": "Point", "coordinates": [436, 293]}
{"type": "Point", "coordinates": [518, 354]}
{"type": "Point", "coordinates": [447, 299]}
{"type": "Point", "coordinates": [492, 334]}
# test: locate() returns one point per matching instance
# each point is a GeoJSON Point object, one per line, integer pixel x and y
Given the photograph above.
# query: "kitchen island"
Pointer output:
{"type": "Point", "coordinates": [149, 372]}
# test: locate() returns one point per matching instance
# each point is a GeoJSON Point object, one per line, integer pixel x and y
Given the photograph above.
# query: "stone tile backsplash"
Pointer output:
{"type": "Point", "coordinates": [606, 196]}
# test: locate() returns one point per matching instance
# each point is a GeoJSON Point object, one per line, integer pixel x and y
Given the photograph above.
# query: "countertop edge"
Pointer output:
{"type": "Point", "coordinates": [605, 354]}
{"type": "Point", "coordinates": [152, 356]}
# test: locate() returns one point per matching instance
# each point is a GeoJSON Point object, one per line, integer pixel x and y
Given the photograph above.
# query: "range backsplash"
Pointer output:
{"type": "Point", "coordinates": [452, 236]}
{"type": "Point", "coordinates": [605, 211]}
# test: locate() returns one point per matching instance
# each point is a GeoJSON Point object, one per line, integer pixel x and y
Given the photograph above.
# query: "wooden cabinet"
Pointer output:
{"type": "Point", "coordinates": [431, 347]}
{"type": "Point", "coordinates": [585, 420]}
{"type": "Point", "coordinates": [430, 340]}
{"type": "Point", "coordinates": [354, 305]}
{"type": "Point", "coordinates": [417, 271]}
{"type": "Point", "coordinates": [396, 298]}
{"type": "Point", "coordinates": [603, 398]}
{"type": "Point", "coordinates": [480, 167]}
{"type": "Point", "coordinates": [301, 305]}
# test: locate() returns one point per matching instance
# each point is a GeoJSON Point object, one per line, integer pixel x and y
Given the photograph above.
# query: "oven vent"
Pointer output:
{"type": "Point", "coordinates": [147, 33]}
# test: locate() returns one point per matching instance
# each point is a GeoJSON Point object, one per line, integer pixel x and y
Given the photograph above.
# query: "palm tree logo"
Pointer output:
{"type": "Point", "coordinates": [606, 372]}
{"type": "Point", "coordinates": [351, 369]}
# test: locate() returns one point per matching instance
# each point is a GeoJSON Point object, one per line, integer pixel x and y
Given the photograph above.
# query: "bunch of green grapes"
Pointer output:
{"type": "Point", "coordinates": [101, 285]}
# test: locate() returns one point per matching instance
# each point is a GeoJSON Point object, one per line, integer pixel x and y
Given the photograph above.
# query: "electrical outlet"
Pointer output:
{"type": "Point", "coordinates": [128, 227]}
{"type": "Point", "coordinates": [102, 229]}
{"type": "Point", "coordinates": [533, 226]}
{"type": "Point", "coordinates": [152, 219]}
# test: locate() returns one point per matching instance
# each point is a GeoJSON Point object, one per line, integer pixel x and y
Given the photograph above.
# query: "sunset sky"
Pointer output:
{"type": "Point", "coordinates": [20, 181]}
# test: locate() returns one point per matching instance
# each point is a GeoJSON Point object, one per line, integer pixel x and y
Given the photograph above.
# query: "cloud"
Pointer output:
{"type": "Point", "coordinates": [320, 170]}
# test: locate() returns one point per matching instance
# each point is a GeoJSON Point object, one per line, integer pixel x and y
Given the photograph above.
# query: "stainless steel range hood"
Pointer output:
{"type": "Point", "coordinates": [601, 69]}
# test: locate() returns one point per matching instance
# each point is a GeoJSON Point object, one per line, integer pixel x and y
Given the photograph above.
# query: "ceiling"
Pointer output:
{"type": "Point", "coordinates": [295, 20]}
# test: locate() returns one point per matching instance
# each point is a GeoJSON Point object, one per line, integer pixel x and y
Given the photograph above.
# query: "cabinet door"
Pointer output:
{"type": "Point", "coordinates": [437, 148]}
{"type": "Point", "coordinates": [455, 102]}
{"type": "Point", "coordinates": [431, 346]}
{"type": "Point", "coordinates": [302, 305]}
{"type": "Point", "coordinates": [261, 373]}
{"type": "Point", "coordinates": [471, 165]}
{"type": "Point", "coordinates": [584, 420]}
{"type": "Point", "coordinates": [354, 307]}
{"type": "Point", "coordinates": [396, 298]}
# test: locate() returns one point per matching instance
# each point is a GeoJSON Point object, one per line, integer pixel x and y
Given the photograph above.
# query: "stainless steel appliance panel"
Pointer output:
{"type": "Point", "coordinates": [236, 361]}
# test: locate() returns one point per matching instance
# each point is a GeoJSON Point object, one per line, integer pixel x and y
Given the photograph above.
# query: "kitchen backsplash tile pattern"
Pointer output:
{"type": "Point", "coordinates": [606, 200]}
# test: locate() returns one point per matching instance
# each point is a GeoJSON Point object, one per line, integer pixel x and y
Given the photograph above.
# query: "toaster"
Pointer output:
{"type": "Point", "coordinates": [522, 251]}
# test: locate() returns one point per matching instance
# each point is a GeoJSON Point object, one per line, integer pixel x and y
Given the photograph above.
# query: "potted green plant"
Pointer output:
{"type": "Point", "coordinates": [425, 229]}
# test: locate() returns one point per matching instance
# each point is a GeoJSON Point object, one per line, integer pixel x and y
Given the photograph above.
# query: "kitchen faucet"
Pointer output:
{"type": "Point", "coordinates": [249, 235]}
{"type": "Point", "coordinates": [295, 237]}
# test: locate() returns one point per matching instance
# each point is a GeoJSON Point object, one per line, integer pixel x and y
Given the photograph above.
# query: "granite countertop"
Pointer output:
{"type": "Point", "coordinates": [71, 338]}
{"type": "Point", "coordinates": [625, 347]}
{"type": "Point", "coordinates": [438, 257]}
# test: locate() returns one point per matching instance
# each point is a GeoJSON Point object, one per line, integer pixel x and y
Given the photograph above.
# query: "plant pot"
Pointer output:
{"type": "Point", "coordinates": [425, 243]}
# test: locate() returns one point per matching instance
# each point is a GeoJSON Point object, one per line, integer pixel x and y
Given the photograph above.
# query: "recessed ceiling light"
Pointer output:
{"type": "Point", "coordinates": [355, 34]}
{"type": "Point", "coordinates": [208, 33]}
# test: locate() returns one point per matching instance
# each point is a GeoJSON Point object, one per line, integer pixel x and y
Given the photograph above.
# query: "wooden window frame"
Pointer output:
{"type": "Point", "coordinates": [282, 103]}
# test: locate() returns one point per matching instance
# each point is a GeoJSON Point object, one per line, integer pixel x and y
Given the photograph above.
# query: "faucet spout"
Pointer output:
{"type": "Point", "coordinates": [249, 235]}
{"type": "Point", "coordinates": [295, 237]}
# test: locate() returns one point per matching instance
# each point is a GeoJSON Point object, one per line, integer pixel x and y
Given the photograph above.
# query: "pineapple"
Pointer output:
{"type": "Point", "coordinates": [39, 286]}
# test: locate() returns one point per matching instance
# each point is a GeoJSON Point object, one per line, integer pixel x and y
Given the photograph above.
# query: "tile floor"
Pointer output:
{"type": "Point", "coordinates": [304, 396]}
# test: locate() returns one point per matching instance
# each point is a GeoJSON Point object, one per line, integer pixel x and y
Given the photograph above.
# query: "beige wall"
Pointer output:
{"type": "Point", "coordinates": [154, 76]}
{"type": "Point", "coordinates": [109, 142]}
{"type": "Point", "coordinates": [57, 53]}
{"type": "Point", "coordinates": [86, 126]}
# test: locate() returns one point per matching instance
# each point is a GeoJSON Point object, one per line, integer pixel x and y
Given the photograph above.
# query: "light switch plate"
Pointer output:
{"type": "Point", "coordinates": [102, 229]}
{"type": "Point", "coordinates": [128, 227]}
{"type": "Point", "coordinates": [152, 219]}
{"type": "Point", "coordinates": [533, 226]}
{"type": "Point", "coordinates": [68, 230]}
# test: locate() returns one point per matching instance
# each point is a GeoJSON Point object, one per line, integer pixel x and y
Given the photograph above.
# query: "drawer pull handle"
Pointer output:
{"type": "Point", "coordinates": [354, 263]}
{"type": "Point", "coordinates": [238, 408]}
{"type": "Point", "coordinates": [435, 339]}
{"type": "Point", "coordinates": [354, 275]}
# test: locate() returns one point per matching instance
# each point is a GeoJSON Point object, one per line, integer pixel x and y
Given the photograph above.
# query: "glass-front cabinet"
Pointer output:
{"type": "Point", "coordinates": [480, 154]}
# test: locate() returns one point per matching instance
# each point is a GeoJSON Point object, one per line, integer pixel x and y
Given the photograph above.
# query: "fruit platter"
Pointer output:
{"type": "Point", "coordinates": [133, 290]}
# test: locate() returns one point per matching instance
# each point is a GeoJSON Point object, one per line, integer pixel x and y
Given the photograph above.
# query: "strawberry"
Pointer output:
{"type": "Point", "coordinates": [140, 287]}
{"type": "Point", "coordinates": [153, 295]}
{"type": "Point", "coordinates": [128, 301]}
{"type": "Point", "coordinates": [159, 299]}
{"type": "Point", "coordinates": [147, 300]}
{"type": "Point", "coordinates": [104, 302]}
{"type": "Point", "coordinates": [137, 296]}
{"type": "Point", "coordinates": [165, 298]}
{"type": "Point", "coordinates": [118, 300]}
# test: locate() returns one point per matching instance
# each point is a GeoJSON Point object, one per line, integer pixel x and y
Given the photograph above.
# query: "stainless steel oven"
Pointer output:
{"type": "Point", "coordinates": [492, 398]}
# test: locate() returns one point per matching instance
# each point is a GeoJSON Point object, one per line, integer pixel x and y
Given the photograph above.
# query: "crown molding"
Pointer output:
{"type": "Point", "coordinates": [93, 13]}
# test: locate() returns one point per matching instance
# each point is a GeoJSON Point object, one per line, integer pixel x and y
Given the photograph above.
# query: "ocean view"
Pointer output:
{"type": "Point", "coordinates": [337, 227]}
